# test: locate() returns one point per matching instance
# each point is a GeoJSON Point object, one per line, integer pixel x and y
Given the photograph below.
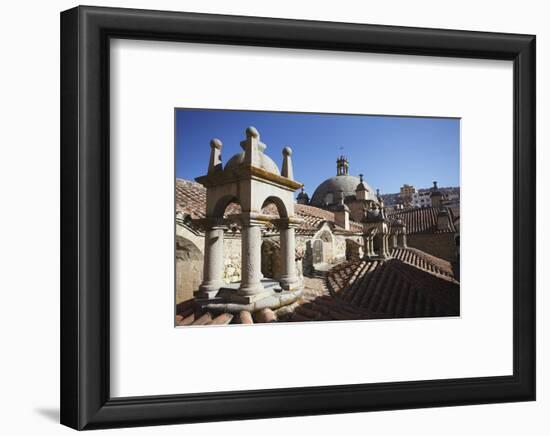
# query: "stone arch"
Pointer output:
{"type": "Point", "coordinates": [222, 205]}
{"type": "Point", "coordinates": [317, 251]}
{"type": "Point", "coordinates": [325, 236]}
{"type": "Point", "coordinates": [279, 204]}
{"type": "Point", "coordinates": [189, 265]}
{"type": "Point", "coordinates": [323, 247]}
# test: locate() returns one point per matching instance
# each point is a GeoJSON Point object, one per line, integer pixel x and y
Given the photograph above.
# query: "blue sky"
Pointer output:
{"type": "Point", "coordinates": [389, 151]}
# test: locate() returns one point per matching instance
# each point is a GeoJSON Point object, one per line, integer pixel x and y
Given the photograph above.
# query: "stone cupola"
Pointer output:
{"type": "Point", "coordinates": [361, 192]}
{"type": "Point", "coordinates": [436, 196]}
{"type": "Point", "coordinates": [302, 197]}
{"type": "Point", "coordinates": [341, 213]}
{"type": "Point", "coordinates": [252, 179]}
{"type": "Point", "coordinates": [342, 166]}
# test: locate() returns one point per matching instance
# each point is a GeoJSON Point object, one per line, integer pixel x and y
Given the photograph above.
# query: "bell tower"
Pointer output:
{"type": "Point", "coordinates": [342, 166]}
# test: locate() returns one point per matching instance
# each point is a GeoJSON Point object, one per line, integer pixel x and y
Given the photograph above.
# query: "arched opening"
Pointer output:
{"type": "Point", "coordinates": [228, 205]}
{"type": "Point", "coordinates": [189, 267]}
{"type": "Point", "coordinates": [377, 243]}
{"type": "Point", "coordinates": [271, 259]}
{"type": "Point", "coordinates": [323, 248]}
{"type": "Point", "coordinates": [274, 206]}
{"type": "Point", "coordinates": [317, 248]}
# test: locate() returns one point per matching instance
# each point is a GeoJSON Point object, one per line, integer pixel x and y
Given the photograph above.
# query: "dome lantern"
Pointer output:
{"type": "Point", "coordinates": [342, 166]}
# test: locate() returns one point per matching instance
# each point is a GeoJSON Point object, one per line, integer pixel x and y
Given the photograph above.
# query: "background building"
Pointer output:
{"type": "Point", "coordinates": [406, 193]}
{"type": "Point", "coordinates": [421, 198]}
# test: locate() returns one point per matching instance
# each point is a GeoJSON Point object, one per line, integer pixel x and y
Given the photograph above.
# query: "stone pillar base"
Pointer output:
{"type": "Point", "coordinates": [208, 289]}
{"type": "Point", "coordinates": [246, 299]}
{"type": "Point", "coordinates": [208, 295]}
{"type": "Point", "coordinates": [290, 283]}
{"type": "Point", "coordinates": [229, 300]}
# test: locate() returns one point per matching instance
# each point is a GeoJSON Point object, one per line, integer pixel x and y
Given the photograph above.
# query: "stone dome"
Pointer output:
{"type": "Point", "coordinates": [328, 192]}
{"type": "Point", "coordinates": [266, 163]}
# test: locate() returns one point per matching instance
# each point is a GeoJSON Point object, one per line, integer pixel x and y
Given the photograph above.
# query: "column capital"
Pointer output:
{"type": "Point", "coordinates": [252, 219]}
{"type": "Point", "coordinates": [287, 223]}
{"type": "Point", "coordinates": [210, 223]}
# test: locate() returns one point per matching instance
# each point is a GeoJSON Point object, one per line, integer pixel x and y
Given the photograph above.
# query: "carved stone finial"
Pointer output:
{"type": "Point", "coordinates": [361, 178]}
{"type": "Point", "coordinates": [215, 163]}
{"type": "Point", "coordinates": [252, 147]}
{"type": "Point", "coordinates": [216, 143]}
{"type": "Point", "coordinates": [251, 131]}
{"type": "Point", "coordinates": [287, 170]}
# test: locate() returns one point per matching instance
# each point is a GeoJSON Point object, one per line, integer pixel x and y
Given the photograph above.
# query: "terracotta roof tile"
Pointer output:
{"type": "Point", "coordinates": [423, 220]}
{"type": "Point", "coordinates": [412, 284]}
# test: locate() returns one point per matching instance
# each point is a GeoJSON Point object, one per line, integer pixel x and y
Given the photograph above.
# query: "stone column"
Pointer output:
{"type": "Point", "coordinates": [368, 245]}
{"type": "Point", "coordinates": [386, 245]}
{"type": "Point", "coordinates": [251, 273]}
{"type": "Point", "coordinates": [393, 241]}
{"type": "Point", "coordinates": [371, 246]}
{"type": "Point", "coordinates": [289, 279]}
{"type": "Point", "coordinates": [382, 245]}
{"type": "Point", "coordinates": [402, 240]}
{"type": "Point", "coordinates": [213, 260]}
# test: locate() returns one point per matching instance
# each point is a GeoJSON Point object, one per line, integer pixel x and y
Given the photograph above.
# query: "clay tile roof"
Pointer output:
{"type": "Point", "coordinates": [423, 220]}
{"type": "Point", "coordinates": [191, 200]}
{"type": "Point", "coordinates": [411, 284]}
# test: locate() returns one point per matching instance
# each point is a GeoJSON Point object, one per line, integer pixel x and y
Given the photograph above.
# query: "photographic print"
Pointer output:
{"type": "Point", "coordinates": [298, 217]}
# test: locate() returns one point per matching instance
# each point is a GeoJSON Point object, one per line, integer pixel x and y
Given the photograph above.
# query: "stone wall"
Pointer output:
{"type": "Point", "coordinates": [440, 245]}
{"type": "Point", "coordinates": [333, 248]}
{"type": "Point", "coordinates": [356, 210]}
{"type": "Point", "coordinates": [339, 249]}
{"type": "Point", "coordinates": [271, 258]}
{"type": "Point", "coordinates": [190, 261]}
{"type": "Point", "coordinates": [232, 259]}
{"type": "Point", "coordinates": [354, 249]}
{"type": "Point", "coordinates": [189, 264]}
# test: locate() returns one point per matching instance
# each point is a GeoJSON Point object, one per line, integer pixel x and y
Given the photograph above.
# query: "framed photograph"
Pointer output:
{"type": "Point", "coordinates": [266, 218]}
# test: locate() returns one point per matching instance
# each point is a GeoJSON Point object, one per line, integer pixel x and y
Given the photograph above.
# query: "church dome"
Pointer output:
{"type": "Point", "coordinates": [266, 163]}
{"type": "Point", "coordinates": [328, 192]}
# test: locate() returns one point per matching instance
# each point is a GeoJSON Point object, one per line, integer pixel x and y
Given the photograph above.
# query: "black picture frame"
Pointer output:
{"type": "Point", "coordinates": [85, 399]}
